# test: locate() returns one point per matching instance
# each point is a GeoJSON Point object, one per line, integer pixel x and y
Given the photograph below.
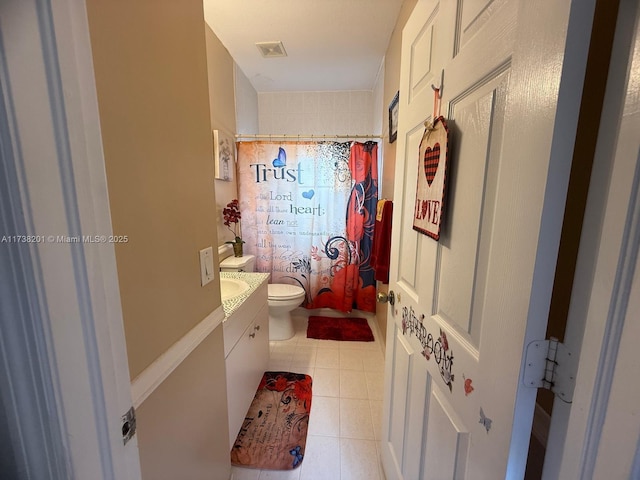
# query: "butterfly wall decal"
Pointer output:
{"type": "Point", "coordinates": [281, 161]}
{"type": "Point", "coordinates": [485, 421]}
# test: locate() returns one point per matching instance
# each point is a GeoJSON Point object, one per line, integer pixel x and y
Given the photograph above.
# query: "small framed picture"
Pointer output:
{"type": "Point", "coordinates": [393, 118]}
{"type": "Point", "coordinates": [224, 153]}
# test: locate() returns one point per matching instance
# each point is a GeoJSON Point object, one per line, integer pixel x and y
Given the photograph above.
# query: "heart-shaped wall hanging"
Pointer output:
{"type": "Point", "coordinates": [431, 160]}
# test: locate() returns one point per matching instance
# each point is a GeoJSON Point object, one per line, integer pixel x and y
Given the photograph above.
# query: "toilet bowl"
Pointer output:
{"type": "Point", "coordinates": [282, 299]}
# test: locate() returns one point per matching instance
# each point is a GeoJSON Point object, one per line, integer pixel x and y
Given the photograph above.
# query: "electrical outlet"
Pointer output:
{"type": "Point", "coordinates": [206, 265]}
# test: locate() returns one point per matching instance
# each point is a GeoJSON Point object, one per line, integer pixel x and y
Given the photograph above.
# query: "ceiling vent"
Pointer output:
{"type": "Point", "coordinates": [271, 49]}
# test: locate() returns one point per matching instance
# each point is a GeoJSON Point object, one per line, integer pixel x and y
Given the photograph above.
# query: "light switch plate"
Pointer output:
{"type": "Point", "coordinates": [206, 265]}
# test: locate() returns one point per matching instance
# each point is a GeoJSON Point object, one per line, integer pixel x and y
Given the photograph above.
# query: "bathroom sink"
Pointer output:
{"type": "Point", "coordinates": [230, 287]}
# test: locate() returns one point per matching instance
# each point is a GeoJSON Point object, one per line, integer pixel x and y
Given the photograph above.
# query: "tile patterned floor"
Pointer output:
{"type": "Point", "coordinates": [345, 421]}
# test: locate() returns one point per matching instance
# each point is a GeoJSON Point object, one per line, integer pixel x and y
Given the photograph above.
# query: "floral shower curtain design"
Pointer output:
{"type": "Point", "coordinates": [308, 217]}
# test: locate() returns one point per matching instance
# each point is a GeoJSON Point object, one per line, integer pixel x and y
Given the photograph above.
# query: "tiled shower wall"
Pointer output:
{"type": "Point", "coordinates": [317, 113]}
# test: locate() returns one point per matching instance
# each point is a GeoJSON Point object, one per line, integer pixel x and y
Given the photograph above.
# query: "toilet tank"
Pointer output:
{"type": "Point", "coordinates": [246, 263]}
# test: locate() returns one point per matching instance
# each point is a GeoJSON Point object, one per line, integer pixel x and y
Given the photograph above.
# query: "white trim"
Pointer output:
{"type": "Point", "coordinates": [34, 429]}
{"type": "Point", "coordinates": [617, 315]}
{"type": "Point", "coordinates": [592, 315]}
{"type": "Point", "coordinates": [62, 183]}
{"type": "Point", "coordinates": [86, 179]}
{"type": "Point", "coordinates": [144, 384]}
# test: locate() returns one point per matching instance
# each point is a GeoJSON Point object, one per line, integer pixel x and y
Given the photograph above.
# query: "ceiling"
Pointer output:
{"type": "Point", "coordinates": [331, 44]}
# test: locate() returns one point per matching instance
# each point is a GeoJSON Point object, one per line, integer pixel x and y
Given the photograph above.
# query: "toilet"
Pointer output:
{"type": "Point", "coordinates": [282, 298]}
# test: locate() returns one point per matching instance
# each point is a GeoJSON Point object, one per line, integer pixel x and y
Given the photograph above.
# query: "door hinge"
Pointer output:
{"type": "Point", "coordinates": [548, 365]}
{"type": "Point", "coordinates": [128, 425]}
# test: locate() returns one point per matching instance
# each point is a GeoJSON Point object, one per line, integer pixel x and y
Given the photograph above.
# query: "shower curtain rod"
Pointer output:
{"type": "Point", "coordinates": [268, 136]}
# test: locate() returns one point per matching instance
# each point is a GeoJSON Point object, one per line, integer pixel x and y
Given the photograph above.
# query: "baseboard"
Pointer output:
{"type": "Point", "coordinates": [151, 377]}
{"type": "Point", "coordinates": [541, 423]}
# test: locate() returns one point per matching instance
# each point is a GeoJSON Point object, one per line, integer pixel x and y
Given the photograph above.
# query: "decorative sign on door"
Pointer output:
{"type": "Point", "coordinates": [438, 348]}
{"type": "Point", "coordinates": [432, 169]}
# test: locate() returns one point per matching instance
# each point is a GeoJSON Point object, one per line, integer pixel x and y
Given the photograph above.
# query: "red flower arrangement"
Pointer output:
{"type": "Point", "coordinates": [231, 215]}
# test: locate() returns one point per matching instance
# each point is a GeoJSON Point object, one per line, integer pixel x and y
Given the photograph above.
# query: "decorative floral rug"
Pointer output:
{"type": "Point", "coordinates": [345, 329]}
{"type": "Point", "coordinates": [274, 433]}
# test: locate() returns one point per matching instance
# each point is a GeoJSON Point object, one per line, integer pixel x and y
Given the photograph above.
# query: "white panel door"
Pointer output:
{"type": "Point", "coordinates": [466, 305]}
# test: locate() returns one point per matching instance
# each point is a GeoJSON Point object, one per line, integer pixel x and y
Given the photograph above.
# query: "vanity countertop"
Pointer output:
{"type": "Point", "coordinates": [254, 280]}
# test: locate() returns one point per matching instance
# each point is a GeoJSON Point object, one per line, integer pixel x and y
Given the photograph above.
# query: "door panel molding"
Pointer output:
{"type": "Point", "coordinates": [486, 99]}
{"type": "Point", "coordinates": [446, 457]}
{"type": "Point", "coordinates": [407, 268]}
{"type": "Point", "coordinates": [422, 51]}
{"type": "Point", "coordinates": [419, 397]}
{"type": "Point", "coordinates": [398, 405]}
{"type": "Point", "coordinates": [470, 20]}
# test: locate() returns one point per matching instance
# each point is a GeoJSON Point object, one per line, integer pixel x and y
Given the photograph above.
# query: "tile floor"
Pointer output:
{"type": "Point", "coordinates": [345, 420]}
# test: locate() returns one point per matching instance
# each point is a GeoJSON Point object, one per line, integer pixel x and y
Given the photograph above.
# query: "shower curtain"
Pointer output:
{"type": "Point", "coordinates": [308, 213]}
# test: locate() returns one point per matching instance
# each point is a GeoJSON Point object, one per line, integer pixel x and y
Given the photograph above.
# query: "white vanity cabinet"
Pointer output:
{"type": "Point", "coordinates": [246, 348]}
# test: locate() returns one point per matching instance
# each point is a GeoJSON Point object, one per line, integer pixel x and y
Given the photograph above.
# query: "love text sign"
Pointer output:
{"type": "Point", "coordinates": [432, 169]}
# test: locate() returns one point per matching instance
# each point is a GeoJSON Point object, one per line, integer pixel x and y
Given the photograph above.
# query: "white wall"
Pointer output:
{"type": "Point", "coordinates": [246, 121]}
{"type": "Point", "coordinates": [246, 103]}
{"type": "Point", "coordinates": [378, 120]}
{"type": "Point", "coordinates": [378, 107]}
{"type": "Point", "coordinates": [316, 113]}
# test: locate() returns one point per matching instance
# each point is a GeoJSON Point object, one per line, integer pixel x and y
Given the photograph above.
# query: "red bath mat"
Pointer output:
{"type": "Point", "coordinates": [344, 328]}
{"type": "Point", "coordinates": [274, 432]}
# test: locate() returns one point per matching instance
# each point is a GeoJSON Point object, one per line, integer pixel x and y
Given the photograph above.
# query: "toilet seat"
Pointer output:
{"type": "Point", "coordinates": [282, 291]}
